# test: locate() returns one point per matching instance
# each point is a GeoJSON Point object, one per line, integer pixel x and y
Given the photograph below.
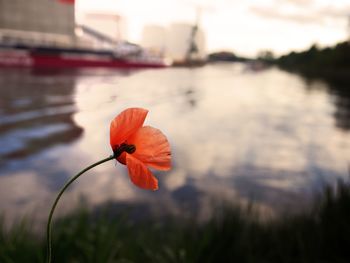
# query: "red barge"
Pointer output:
{"type": "Point", "coordinates": [53, 57]}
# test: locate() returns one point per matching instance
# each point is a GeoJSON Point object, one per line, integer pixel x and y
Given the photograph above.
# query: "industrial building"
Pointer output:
{"type": "Point", "coordinates": [50, 22]}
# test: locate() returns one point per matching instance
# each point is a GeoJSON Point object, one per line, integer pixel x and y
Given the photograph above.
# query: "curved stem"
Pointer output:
{"type": "Point", "coordinates": [48, 227]}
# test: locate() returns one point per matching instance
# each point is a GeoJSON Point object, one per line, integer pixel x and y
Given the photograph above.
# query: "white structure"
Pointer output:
{"type": "Point", "coordinates": [153, 39]}
{"type": "Point", "coordinates": [48, 21]}
{"type": "Point", "coordinates": [175, 41]}
{"type": "Point", "coordinates": [111, 25]}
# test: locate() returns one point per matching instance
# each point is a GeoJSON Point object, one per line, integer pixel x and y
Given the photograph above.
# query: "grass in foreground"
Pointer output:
{"type": "Point", "coordinates": [322, 235]}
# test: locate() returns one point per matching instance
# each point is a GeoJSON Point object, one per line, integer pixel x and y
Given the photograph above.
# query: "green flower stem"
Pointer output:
{"type": "Point", "coordinates": [48, 227]}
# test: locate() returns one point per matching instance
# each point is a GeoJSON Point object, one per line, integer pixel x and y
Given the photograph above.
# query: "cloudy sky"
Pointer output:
{"type": "Point", "coordinates": [243, 26]}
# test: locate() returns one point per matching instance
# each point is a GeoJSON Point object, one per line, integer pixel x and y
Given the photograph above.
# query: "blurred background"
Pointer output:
{"type": "Point", "coordinates": [253, 96]}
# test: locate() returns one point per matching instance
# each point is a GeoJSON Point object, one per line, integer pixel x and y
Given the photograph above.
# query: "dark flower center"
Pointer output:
{"type": "Point", "coordinates": [124, 147]}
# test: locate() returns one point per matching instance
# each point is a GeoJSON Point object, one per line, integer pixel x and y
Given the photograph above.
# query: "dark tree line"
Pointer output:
{"type": "Point", "coordinates": [331, 61]}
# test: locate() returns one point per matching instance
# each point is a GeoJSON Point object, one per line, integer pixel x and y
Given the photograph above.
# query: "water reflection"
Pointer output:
{"type": "Point", "coordinates": [340, 96]}
{"type": "Point", "coordinates": [236, 136]}
{"type": "Point", "coordinates": [36, 112]}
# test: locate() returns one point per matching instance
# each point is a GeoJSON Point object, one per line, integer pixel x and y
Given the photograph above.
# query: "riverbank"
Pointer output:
{"type": "Point", "coordinates": [330, 63]}
{"type": "Point", "coordinates": [234, 235]}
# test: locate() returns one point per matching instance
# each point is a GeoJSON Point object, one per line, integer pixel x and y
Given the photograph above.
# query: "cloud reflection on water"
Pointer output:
{"type": "Point", "coordinates": [235, 136]}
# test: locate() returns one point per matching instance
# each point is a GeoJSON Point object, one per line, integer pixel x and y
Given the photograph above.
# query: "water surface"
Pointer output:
{"type": "Point", "coordinates": [237, 136]}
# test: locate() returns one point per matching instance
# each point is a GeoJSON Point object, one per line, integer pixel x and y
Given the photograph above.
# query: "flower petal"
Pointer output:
{"type": "Point", "coordinates": [125, 124]}
{"type": "Point", "coordinates": [140, 175]}
{"type": "Point", "coordinates": [152, 148]}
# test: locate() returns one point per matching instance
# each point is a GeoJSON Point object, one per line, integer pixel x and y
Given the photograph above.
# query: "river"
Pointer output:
{"type": "Point", "coordinates": [269, 138]}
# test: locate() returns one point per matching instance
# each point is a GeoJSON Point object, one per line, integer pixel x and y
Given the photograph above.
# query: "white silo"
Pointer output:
{"type": "Point", "coordinates": [153, 39]}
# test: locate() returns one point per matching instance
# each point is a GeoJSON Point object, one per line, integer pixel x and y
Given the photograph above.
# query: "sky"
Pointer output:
{"type": "Point", "coordinates": [244, 27]}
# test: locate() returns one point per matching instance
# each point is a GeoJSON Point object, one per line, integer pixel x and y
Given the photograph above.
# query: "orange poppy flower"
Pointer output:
{"type": "Point", "coordinates": [139, 147]}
